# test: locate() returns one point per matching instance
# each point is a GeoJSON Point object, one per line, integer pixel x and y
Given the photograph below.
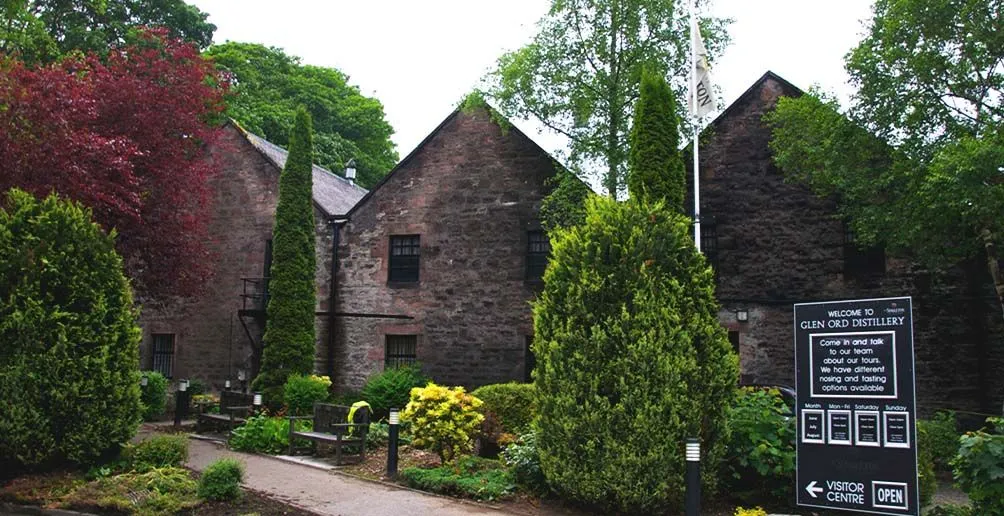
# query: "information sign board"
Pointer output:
{"type": "Point", "coordinates": [855, 410]}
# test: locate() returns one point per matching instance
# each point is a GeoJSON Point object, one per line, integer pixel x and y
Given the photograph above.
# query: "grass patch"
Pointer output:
{"type": "Point", "coordinates": [469, 477]}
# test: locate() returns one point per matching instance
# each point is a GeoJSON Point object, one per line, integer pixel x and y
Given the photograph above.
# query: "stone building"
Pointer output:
{"type": "Point", "coordinates": [438, 263]}
{"type": "Point", "coordinates": [216, 334]}
{"type": "Point", "coordinates": [774, 243]}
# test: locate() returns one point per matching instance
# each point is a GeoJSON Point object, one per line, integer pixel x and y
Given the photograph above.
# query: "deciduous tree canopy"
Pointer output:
{"type": "Point", "coordinates": [124, 136]}
{"type": "Point", "coordinates": [918, 162]}
{"type": "Point", "coordinates": [269, 86]}
{"type": "Point", "coordinates": [580, 74]}
{"type": "Point", "coordinates": [41, 30]}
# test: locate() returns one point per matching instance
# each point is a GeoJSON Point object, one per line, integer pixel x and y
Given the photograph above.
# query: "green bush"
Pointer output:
{"type": "Point", "coordinates": [631, 359]}
{"type": "Point", "coordinates": [979, 467]}
{"type": "Point", "coordinates": [950, 510]}
{"type": "Point", "coordinates": [443, 419]}
{"type": "Point", "coordinates": [759, 463]}
{"type": "Point", "coordinates": [160, 451]}
{"type": "Point", "coordinates": [153, 395]}
{"type": "Point", "coordinates": [523, 459]}
{"type": "Point", "coordinates": [289, 329]}
{"type": "Point", "coordinates": [162, 491]}
{"type": "Point", "coordinates": [264, 434]}
{"type": "Point", "coordinates": [925, 466]}
{"type": "Point", "coordinates": [222, 480]}
{"type": "Point", "coordinates": [472, 477]}
{"type": "Point", "coordinates": [197, 388]}
{"type": "Point", "coordinates": [391, 388]}
{"type": "Point", "coordinates": [943, 438]}
{"type": "Point", "coordinates": [69, 358]}
{"type": "Point", "coordinates": [512, 404]}
{"type": "Point", "coordinates": [301, 391]}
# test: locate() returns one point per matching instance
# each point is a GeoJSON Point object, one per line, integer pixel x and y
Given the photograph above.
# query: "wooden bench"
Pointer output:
{"type": "Point", "coordinates": [331, 427]}
{"type": "Point", "coordinates": [234, 408]}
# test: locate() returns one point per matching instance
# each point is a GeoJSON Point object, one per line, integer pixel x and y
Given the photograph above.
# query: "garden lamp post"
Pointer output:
{"type": "Point", "coordinates": [392, 443]}
{"type": "Point", "coordinates": [180, 402]}
{"type": "Point", "coordinates": [693, 496]}
{"type": "Point", "coordinates": [256, 402]}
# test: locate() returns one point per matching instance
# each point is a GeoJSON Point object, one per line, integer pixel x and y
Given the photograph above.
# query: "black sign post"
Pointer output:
{"type": "Point", "coordinates": [855, 413]}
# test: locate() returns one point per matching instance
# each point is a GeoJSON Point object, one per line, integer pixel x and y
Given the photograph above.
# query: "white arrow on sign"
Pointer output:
{"type": "Point", "coordinates": [813, 489]}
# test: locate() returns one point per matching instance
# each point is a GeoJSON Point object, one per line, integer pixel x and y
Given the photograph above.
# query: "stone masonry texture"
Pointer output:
{"type": "Point", "coordinates": [780, 244]}
{"type": "Point", "coordinates": [472, 192]}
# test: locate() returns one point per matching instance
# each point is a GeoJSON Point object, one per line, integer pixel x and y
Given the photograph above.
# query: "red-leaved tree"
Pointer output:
{"type": "Point", "coordinates": [126, 135]}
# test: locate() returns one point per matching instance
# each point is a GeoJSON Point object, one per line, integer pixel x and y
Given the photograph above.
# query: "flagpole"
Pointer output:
{"type": "Point", "coordinates": [696, 120]}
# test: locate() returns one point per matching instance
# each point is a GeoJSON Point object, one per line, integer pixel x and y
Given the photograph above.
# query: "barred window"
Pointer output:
{"type": "Point", "coordinates": [538, 247]}
{"type": "Point", "coordinates": [400, 350]}
{"type": "Point", "coordinates": [163, 354]}
{"type": "Point", "coordinates": [861, 262]}
{"type": "Point", "coordinates": [709, 242]}
{"type": "Point", "coordinates": [404, 259]}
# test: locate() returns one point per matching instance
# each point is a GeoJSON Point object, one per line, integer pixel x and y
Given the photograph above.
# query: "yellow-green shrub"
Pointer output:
{"type": "Point", "coordinates": [756, 511]}
{"type": "Point", "coordinates": [443, 419]}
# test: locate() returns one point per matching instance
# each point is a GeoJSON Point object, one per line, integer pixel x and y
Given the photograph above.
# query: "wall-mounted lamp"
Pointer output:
{"type": "Point", "coordinates": [257, 399]}
{"type": "Point", "coordinates": [742, 315]}
{"type": "Point", "coordinates": [226, 384]}
{"type": "Point", "coordinates": [182, 385]}
{"type": "Point", "coordinates": [350, 170]}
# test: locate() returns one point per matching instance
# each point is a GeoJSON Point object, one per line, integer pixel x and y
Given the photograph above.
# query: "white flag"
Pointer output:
{"type": "Point", "coordinates": [701, 79]}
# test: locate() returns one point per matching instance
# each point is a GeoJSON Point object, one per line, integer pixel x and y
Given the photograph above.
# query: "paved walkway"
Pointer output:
{"type": "Point", "coordinates": [329, 493]}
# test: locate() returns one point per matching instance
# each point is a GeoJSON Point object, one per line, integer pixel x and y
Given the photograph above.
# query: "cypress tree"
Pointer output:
{"type": "Point", "coordinates": [631, 359]}
{"type": "Point", "coordinates": [656, 170]}
{"type": "Point", "coordinates": [289, 327]}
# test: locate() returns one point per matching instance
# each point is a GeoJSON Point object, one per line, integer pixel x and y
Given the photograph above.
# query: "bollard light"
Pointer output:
{"type": "Point", "coordinates": [226, 384]}
{"type": "Point", "coordinates": [143, 380]}
{"type": "Point", "coordinates": [257, 399]}
{"type": "Point", "coordinates": [392, 443]}
{"type": "Point", "coordinates": [693, 450]}
{"type": "Point", "coordinates": [693, 478]}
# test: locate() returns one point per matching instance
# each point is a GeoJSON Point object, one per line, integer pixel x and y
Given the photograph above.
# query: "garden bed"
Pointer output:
{"type": "Point", "coordinates": [71, 490]}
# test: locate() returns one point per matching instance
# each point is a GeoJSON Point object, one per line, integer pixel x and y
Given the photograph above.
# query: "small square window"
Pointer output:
{"type": "Point", "coordinates": [163, 354]}
{"type": "Point", "coordinates": [538, 248]}
{"type": "Point", "coordinates": [400, 351]}
{"type": "Point", "coordinates": [404, 259]}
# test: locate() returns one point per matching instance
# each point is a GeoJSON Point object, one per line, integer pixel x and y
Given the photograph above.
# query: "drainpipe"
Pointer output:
{"type": "Point", "coordinates": [336, 226]}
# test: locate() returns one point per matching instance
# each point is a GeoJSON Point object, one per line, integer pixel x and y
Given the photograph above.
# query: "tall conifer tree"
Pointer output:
{"type": "Point", "coordinates": [656, 170]}
{"type": "Point", "coordinates": [289, 333]}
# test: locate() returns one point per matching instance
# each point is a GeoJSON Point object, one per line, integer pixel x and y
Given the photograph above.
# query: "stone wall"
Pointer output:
{"type": "Point", "coordinates": [779, 244]}
{"type": "Point", "coordinates": [471, 191]}
{"type": "Point", "coordinates": [210, 343]}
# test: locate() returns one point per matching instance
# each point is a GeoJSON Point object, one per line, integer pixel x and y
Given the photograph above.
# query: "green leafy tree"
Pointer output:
{"type": "Point", "coordinates": [656, 168]}
{"type": "Point", "coordinates": [631, 359]}
{"type": "Point", "coordinates": [269, 86]}
{"type": "Point", "coordinates": [917, 160]}
{"type": "Point", "coordinates": [579, 76]}
{"type": "Point", "coordinates": [565, 205]}
{"type": "Point", "coordinates": [41, 30]}
{"type": "Point", "coordinates": [289, 322]}
{"type": "Point", "coordinates": [69, 359]}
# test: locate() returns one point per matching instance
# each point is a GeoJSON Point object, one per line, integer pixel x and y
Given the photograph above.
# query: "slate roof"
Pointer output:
{"type": "Point", "coordinates": [333, 194]}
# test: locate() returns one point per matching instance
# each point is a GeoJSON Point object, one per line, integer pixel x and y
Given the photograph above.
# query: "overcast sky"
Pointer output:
{"type": "Point", "coordinates": [421, 57]}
